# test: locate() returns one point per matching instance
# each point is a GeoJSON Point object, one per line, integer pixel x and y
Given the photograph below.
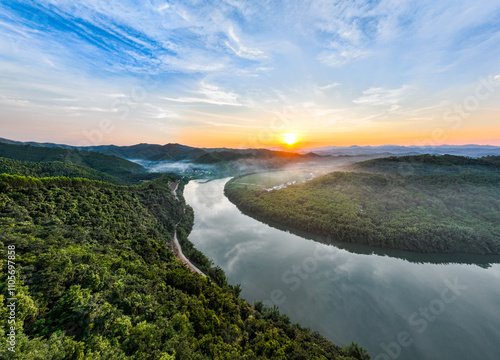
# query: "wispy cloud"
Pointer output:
{"type": "Point", "coordinates": [242, 60]}
{"type": "Point", "coordinates": [211, 94]}
{"type": "Point", "coordinates": [340, 57]}
{"type": "Point", "coordinates": [243, 51]}
{"type": "Point", "coordinates": [383, 96]}
{"type": "Point", "coordinates": [329, 86]}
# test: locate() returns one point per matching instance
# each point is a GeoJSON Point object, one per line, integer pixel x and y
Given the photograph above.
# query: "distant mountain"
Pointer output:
{"type": "Point", "coordinates": [255, 154]}
{"type": "Point", "coordinates": [178, 152]}
{"type": "Point", "coordinates": [152, 152]}
{"type": "Point", "coordinates": [429, 164]}
{"type": "Point", "coordinates": [109, 164]}
{"type": "Point", "coordinates": [221, 156]}
{"type": "Point", "coordinates": [459, 150]}
{"type": "Point", "coordinates": [32, 143]}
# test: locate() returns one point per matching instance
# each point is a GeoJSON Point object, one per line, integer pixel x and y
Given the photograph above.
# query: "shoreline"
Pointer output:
{"type": "Point", "coordinates": [177, 249]}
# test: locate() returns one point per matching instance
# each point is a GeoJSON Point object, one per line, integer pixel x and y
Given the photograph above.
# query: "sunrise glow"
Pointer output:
{"type": "Point", "coordinates": [231, 85]}
{"type": "Point", "coordinates": [290, 138]}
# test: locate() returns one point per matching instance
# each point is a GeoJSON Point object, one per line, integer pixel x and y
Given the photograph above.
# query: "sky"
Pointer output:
{"type": "Point", "coordinates": [228, 73]}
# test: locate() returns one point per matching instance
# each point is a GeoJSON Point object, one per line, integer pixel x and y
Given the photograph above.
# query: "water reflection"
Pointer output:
{"type": "Point", "coordinates": [354, 293]}
{"type": "Point", "coordinates": [484, 261]}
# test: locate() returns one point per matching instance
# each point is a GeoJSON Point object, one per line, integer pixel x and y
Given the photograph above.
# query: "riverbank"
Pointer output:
{"type": "Point", "coordinates": [176, 246]}
{"type": "Point", "coordinates": [177, 250]}
{"type": "Point", "coordinates": [347, 295]}
{"type": "Point", "coordinates": [424, 213]}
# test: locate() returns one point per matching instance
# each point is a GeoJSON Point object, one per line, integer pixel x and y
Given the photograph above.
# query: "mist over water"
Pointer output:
{"type": "Point", "coordinates": [394, 307]}
{"type": "Point", "coordinates": [246, 166]}
{"type": "Point", "coordinates": [172, 166]}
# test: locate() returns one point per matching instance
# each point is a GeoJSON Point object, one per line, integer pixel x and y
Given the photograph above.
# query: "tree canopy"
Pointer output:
{"type": "Point", "coordinates": [97, 281]}
{"type": "Point", "coordinates": [428, 204]}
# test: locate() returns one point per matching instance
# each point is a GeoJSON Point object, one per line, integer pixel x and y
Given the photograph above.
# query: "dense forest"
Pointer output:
{"type": "Point", "coordinates": [40, 162]}
{"type": "Point", "coordinates": [95, 280]}
{"type": "Point", "coordinates": [54, 168]}
{"type": "Point", "coordinates": [427, 204]}
{"type": "Point", "coordinates": [174, 152]}
{"type": "Point", "coordinates": [430, 164]}
{"type": "Point", "coordinates": [109, 164]}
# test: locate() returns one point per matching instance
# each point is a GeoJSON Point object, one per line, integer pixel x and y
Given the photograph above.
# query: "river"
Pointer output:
{"type": "Point", "coordinates": [401, 305]}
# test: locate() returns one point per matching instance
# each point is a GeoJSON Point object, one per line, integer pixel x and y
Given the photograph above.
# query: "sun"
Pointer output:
{"type": "Point", "coordinates": [290, 138]}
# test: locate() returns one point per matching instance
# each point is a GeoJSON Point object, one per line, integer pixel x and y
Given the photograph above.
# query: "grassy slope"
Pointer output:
{"type": "Point", "coordinates": [95, 281]}
{"type": "Point", "coordinates": [422, 203]}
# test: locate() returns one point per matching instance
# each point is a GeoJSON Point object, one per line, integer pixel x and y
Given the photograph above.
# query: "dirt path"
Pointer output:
{"type": "Point", "coordinates": [179, 255]}
{"type": "Point", "coordinates": [174, 187]}
{"type": "Point", "coordinates": [176, 246]}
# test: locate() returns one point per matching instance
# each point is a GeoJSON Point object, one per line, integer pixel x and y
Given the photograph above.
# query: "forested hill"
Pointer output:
{"type": "Point", "coordinates": [54, 168]}
{"type": "Point", "coordinates": [427, 204]}
{"type": "Point", "coordinates": [175, 152]}
{"type": "Point", "coordinates": [429, 164]}
{"type": "Point", "coordinates": [109, 164]}
{"type": "Point", "coordinates": [95, 280]}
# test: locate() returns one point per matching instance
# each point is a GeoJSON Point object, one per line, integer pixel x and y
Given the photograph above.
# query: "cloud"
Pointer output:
{"type": "Point", "coordinates": [329, 86]}
{"type": "Point", "coordinates": [342, 55]}
{"type": "Point", "coordinates": [239, 61]}
{"type": "Point", "coordinates": [243, 51]}
{"type": "Point", "coordinates": [159, 112]}
{"type": "Point", "coordinates": [383, 96]}
{"type": "Point", "coordinates": [86, 108]}
{"type": "Point", "coordinates": [192, 61]}
{"type": "Point", "coordinates": [211, 94]}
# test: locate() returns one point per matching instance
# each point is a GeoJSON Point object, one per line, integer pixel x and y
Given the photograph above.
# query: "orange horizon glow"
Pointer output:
{"type": "Point", "coordinates": [229, 84]}
{"type": "Point", "coordinates": [290, 139]}
{"type": "Point", "coordinates": [438, 136]}
{"type": "Point", "coordinates": [303, 140]}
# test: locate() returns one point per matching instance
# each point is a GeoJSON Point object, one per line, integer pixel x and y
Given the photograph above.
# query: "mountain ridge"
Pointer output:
{"type": "Point", "coordinates": [179, 152]}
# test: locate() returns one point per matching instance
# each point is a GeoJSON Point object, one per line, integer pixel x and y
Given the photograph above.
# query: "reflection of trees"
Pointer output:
{"type": "Point", "coordinates": [446, 210]}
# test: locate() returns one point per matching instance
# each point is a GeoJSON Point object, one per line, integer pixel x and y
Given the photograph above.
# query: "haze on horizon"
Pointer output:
{"type": "Point", "coordinates": [245, 73]}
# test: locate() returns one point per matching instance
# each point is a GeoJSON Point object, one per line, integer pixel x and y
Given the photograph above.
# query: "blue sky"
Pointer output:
{"type": "Point", "coordinates": [242, 73]}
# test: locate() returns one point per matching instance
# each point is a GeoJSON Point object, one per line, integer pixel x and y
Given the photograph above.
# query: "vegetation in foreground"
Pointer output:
{"type": "Point", "coordinates": [427, 204]}
{"type": "Point", "coordinates": [96, 281]}
{"type": "Point", "coordinates": [34, 161]}
{"type": "Point", "coordinates": [54, 168]}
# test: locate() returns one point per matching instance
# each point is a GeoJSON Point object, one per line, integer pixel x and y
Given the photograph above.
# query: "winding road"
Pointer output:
{"type": "Point", "coordinates": [177, 247]}
{"type": "Point", "coordinates": [180, 255]}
